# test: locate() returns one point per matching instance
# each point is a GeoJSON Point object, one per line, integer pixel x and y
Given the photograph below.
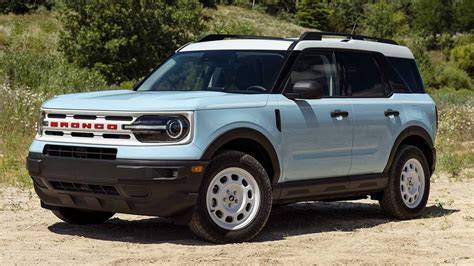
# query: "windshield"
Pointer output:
{"type": "Point", "coordinates": [226, 71]}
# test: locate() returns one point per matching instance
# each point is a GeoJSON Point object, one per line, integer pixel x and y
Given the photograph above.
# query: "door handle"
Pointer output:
{"type": "Point", "coordinates": [338, 112]}
{"type": "Point", "coordinates": [390, 112]}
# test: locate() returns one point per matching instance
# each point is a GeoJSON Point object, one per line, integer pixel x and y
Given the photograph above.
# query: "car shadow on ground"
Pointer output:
{"type": "Point", "coordinates": [290, 220]}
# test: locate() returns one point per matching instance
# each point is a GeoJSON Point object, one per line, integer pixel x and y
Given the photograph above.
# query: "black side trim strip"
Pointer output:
{"type": "Point", "coordinates": [327, 188]}
{"type": "Point", "coordinates": [278, 119]}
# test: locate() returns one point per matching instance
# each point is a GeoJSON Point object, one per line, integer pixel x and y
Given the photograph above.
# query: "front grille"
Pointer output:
{"type": "Point", "coordinates": [84, 127]}
{"type": "Point", "coordinates": [86, 188]}
{"type": "Point", "coordinates": [79, 127]}
{"type": "Point", "coordinates": [80, 152]}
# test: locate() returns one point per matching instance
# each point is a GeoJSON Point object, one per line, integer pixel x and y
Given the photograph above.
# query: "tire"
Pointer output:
{"type": "Point", "coordinates": [406, 195]}
{"type": "Point", "coordinates": [232, 173]}
{"type": "Point", "coordinates": [76, 216]}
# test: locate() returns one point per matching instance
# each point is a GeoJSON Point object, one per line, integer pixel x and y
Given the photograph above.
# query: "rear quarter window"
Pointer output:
{"type": "Point", "coordinates": [408, 71]}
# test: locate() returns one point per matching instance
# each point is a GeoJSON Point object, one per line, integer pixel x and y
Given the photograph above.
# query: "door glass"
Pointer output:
{"type": "Point", "coordinates": [318, 66]}
{"type": "Point", "coordinates": [409, 72]}
{"type": "Point", "coordinates": [363, 77]}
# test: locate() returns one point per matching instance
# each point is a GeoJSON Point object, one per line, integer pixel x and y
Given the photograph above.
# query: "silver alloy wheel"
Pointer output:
{"type": "Point", "coordinates": [233, 198]}
{"type": "Point", "coordinates": [412, 183]}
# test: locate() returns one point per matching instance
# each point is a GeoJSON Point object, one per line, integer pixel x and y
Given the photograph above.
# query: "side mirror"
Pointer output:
{"type": "Point", "coordinates": [306, 90]}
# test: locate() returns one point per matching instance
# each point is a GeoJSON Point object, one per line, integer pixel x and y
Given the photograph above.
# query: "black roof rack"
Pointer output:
{"type": "Point", "coordinates": [218, 37]}
{"type": "Point", "coordinates": [317, 36]}
{"type": "Point", "coordinates": [307, 36]}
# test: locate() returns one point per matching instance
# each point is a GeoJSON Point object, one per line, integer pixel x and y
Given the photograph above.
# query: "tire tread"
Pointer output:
{"type": "Point", "coordinates": [198, 223]}
{"type": "Point", "coordinates": [389, 201]}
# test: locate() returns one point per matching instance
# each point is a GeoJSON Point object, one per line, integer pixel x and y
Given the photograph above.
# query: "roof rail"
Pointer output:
{"type": "Point", "coordinates": [317, 36]}
{"type": "Point", "coordinates": [218, 37]}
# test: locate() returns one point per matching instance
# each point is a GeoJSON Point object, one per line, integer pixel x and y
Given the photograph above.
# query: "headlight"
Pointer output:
{"type": "Point", "coordinates": [41, 123]}
{"type": "Point", "coordinates": [159, 128]}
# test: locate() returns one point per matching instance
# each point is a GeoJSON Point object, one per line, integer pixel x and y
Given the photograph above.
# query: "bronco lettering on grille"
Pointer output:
{"type": "Point", "coordinates": [83, 125]}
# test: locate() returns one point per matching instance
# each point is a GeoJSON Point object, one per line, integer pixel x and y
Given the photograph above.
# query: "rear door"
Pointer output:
{"type": "Point", "coordinates": [376, 112]}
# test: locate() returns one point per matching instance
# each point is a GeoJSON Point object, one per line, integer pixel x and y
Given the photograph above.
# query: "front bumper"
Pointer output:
{"type": "Point", "coordinates": [146, 187]}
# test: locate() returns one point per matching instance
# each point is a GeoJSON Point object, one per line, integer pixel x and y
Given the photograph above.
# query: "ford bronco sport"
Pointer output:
{"type": "Point", "coordinates": [229, 125]}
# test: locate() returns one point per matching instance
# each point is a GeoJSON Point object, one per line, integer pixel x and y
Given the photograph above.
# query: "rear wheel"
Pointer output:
{"type": "Point", "coordinates": [234, 201]}
{"type": "Point", "coordinates": [77, 216]}
{"type": "Point", "coordinates": [407, 192]}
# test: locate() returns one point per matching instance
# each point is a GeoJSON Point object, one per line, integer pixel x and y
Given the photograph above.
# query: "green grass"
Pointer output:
{"type": "Point", "coordinates": [33, 70]}
{"type": "Point", "coordinates": [30, 33]}
{"type": "Point", "coordinates": [239, 20]}
{"type": "Point", "coordinates": [455, 139]}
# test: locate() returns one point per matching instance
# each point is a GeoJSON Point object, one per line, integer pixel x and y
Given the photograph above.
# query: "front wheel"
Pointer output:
{"type": "Point", "coordinates": [76, 216]}
{"type": "Point", "coordinates": [408, 189]}
{"type": "Point", "coordinates": [235, 199]}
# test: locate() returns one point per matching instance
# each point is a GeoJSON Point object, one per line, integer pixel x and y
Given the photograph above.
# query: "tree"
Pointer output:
{"type": "Point", "coordinates": [312, 14]}
{"type": "Point", "coordinates": [345, 15]}
{"type": "Point", "coordinates": [24, 6]}
{"type": "Point", "coordinates": [433, 17]}
{"type": "Point", "coordinates": [464, 15]}
{"type": "Point", "coordinates": [383, 20]}
{"type": "Point", "coordinates": [209, 3]}
{"type": "Point", "coordinates": [275, 7]}
{"type": "Point", "coordinates": [125, 39]}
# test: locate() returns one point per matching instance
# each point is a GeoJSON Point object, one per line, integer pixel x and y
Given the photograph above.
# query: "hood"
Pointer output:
{"type": "Point", "coordinates": [142, 101]}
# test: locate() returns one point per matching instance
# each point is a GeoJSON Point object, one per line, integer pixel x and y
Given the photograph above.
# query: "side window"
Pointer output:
{"type": "Point", "coordinates": [393, 77]}
{"type": "Point", "coordinates": [362, 75]}
{"type": "Point", "coordinates": [409, 72]}
{"type": "Point", "coordinates": [319, 66]}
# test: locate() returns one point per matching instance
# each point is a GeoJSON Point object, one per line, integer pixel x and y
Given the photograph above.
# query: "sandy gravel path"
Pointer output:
{"type": "Point", "coordinates": [343, 232]}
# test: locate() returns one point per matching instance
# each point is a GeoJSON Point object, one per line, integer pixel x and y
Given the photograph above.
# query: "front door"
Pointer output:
{"type": "Point", "coordinates": [317, 134]}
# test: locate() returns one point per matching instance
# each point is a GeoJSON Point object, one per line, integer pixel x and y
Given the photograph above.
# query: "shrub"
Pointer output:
{"type": "Point", "coordinates": [234, 27]}
{"type": "Point", "coordinates": [446, 43]}
{"type": "Point", "coordinates": [451, 76]}
{"type": "Point", "coordinates": [125, 39]}
{"type": "Point", "coordinates": [48, 73]}
{"type": "Point", "coordinates": [463, 56]}
{"type": "Point", "coordinates": [278, 7]}
{"type": "Point", "coordinates": [312, 14]}
{"type": "Point", "coordinates": [462, 39]}
{"type": "Point", "coordinates": [383, 20]}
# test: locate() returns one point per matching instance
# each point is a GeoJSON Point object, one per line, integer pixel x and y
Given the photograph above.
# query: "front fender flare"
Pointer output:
{"type": "Point", "coordinates": [246, 133]}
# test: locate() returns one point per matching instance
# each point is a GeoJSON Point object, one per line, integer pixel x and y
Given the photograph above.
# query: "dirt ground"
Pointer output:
{"type": "Point", "coordinates": [339, 232]}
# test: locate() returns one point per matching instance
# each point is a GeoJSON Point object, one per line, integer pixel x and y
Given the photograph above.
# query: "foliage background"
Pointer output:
{"type": "Point", "coordinates": [51, 47]}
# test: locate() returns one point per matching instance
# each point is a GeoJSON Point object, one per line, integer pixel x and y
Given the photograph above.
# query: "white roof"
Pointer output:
{"type": "Point", "coordinates": [239, 45]}
{"type": "Point", "coordinates": [384, 48]}
{"type": "Point", "coordinates": [284, 44]}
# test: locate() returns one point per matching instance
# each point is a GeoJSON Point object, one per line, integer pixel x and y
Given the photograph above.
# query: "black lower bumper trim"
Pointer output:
{"type": "Point", "coordinates": [146, 187]}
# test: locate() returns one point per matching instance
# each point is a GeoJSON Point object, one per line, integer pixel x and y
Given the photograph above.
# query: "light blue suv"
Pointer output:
{"type": "Point", "coordinates": [229, 125]}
